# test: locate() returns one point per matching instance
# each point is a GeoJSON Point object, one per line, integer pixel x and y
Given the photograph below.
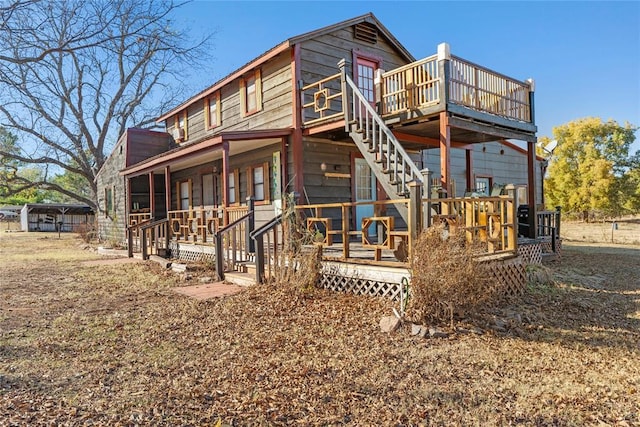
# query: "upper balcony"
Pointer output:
{"type": "Point", "coordinates": [481, 104]}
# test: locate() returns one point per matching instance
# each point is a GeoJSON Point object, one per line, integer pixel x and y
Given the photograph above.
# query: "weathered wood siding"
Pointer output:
{"type": "Point", "coordinates": [508, 167]}
{"type": "Point", "coordinates": [134, 146]}
{"type": "Point", "coordinates": [276, 104]}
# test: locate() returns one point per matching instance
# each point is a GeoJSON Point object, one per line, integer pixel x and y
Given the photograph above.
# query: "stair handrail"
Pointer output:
{"type": "Point", "coordinates": [147, 225]}
{"type": "Point", "coordinates": [414, 172]}
{"type": "Point", "coordinates": [258, 236]}
{"type": "Point", "coordinates": [218, 236]}
{"type": "Point", "coordinates": [130, 228]}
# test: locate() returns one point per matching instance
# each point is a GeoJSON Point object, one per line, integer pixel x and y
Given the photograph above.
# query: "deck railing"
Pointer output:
{"type": "Point", "coordinates": [154, 237]}
{"type": "Point", "coordinates": [490, 220]}
{"type": "Point", "coordinates": [232, 243]}
{"type": "Point", "coordinates": [482, 89]}
{"type": "Point", "coordinates": [322, 100]}
{"type": "Point", "coordinates": [411, 86]}
{"type": "Point", "coordinates": [426, 83]}
{"type": "Point", "coordinates": [268, 248]}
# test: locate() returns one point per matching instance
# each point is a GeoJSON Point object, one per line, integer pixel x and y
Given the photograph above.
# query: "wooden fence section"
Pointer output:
{"type": "Point", "coordinates": [415, 85]}
{"type": "Point", "coordinates": [484, 90]}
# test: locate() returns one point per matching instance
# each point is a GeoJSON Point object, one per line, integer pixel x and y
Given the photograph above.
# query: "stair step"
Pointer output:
{"type": "Point", "coordinates": [240, 279]}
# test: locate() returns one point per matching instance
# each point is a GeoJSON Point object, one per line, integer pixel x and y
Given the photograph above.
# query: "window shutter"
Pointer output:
{"type": "Point", "coordinates": [207, 125]}
{"type": "Point", "coordinates": [258, 90]}
{"type": "Point", "coordinates": [249, 181]}
{"type": "Point", "coordinates": [243, 96]}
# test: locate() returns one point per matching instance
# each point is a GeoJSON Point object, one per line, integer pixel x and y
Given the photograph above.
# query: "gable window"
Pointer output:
{"type": "Point", "coordinates": [251, 93]}
{"type": "Point", "coordinates": [212, 112]}
{"type": "Point", "coordinates": [180, 127]}
{"type": "Point", "coordinates": [234, 190]}
{"type": "Point", "coordinates": [258, 185]}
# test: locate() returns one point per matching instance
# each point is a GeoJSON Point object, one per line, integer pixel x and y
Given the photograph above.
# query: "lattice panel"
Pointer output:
{"type": "Point", "coordinates": [531, 253]}
{"type": "Point", "coordinates": [511, 277]}
{"type": "Point", "coordinates": [360, 286]}
{"type": "Point", "coordinates": [189, 255]}
{"type": "Point", "coordinates": [547, 249]}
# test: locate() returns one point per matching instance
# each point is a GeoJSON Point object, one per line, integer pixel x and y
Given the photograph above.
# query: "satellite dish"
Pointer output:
{"type": "Point", "coordinates": [551, 146]}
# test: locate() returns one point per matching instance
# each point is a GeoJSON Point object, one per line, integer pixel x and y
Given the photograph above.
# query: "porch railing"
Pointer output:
{"type": "Point", "coordinates": [548, 223]}
{"type": "Point", "coordinates": [137, 218]}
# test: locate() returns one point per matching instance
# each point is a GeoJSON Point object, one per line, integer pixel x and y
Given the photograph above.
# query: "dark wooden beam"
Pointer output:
{"type": "Point", "coordinates": [425, 140]}
{"type": "Point", "coordinates": [531, 175]}
{"type": "Point", "coordinates": [167, 187]}
{"type": "Point", "coordinates": [469, 171]}
{"type": "Point", "coordinates": [152, 195]}
{"type": "Point", "coordinates": [488, 129]}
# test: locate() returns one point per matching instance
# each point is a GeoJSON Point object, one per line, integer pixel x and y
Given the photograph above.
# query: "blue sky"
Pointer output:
{"type": "Point", "coordinates": [584, 56]}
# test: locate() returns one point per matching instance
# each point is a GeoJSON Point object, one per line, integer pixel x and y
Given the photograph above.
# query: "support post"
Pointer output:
{"type": "Point", "coordinates": [415, 213]}
{"type": "Point", "coordinates": [143, 237]}
{"type": "Point", "coordinates": [346, 208]}
{"type": "Point", "coordinates": [219, 256]}
{"type": "Point", "coordinates": [512, 218]}
{"type": "Point", "coordinates": [445, 154]}
{"type": "Point", "coordinates": [225, 181]}
{"type": "Point", "coordinates": [167, 189]}
{"type": "Point", "coordinates": [129, 241]}
{"type": "Point", "coordinates": [531, 157]}
{"type": "Point", "coordinates": [342, 64]}
{"type": "Point", "coordinates": [426, 194]}
{"type": "Point", "coordinates": [251, 225]}
{"type": "Point", "coordinates": [152, 195]}
{"type": "Point", "coordinates": [469, 165]}
{"type": "Point", "coordinates": [259, 258]}
{"type": "Point", "coordinates": [557, 220]}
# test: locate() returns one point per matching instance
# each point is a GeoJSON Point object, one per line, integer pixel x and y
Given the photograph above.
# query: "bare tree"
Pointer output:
{"type": "Point", "coordinates": [74, 75]}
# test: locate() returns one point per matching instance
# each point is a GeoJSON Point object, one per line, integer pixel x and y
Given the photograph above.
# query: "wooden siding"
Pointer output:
{"type": "Point", "coordinates": [142, 144]}
{"type": "Point", "coordinates": [319, 56]}
{"type": "Point", "coordinates": [276, 104]}
{"type": "Point", "coordinates": [320, 188]}
{"type": "Point", "coordinates": [507, 168]}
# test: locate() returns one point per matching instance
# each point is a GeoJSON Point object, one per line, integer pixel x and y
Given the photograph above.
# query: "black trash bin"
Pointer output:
{"type": "Point", "coordinates": [523, 220]}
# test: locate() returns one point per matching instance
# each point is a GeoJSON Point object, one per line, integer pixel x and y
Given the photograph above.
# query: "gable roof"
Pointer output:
{"type": "Point", "coordinates": [274, 51]}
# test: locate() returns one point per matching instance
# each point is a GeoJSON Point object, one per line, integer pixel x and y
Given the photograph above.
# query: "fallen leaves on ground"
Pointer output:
{"type": "Point", "coordinates": [113, 345]}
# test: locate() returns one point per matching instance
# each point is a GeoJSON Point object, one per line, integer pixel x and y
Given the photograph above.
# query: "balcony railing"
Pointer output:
{"type": "Point", "coordinates": [421, 85]}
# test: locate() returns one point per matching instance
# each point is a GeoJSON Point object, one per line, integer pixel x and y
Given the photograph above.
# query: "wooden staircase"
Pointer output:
{"type": "Point", "coordinates": [388, 160]}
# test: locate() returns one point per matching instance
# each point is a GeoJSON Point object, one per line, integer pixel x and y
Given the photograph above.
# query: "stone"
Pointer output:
{"type": "Point", "coordinates": [415, 329]}
{"type": "Point", "coordinates": [424, 331]}
{"type": "Point", "coordinates": [499, 325]}
{"type": "Point", "coordinates": [389, 324]}
{"type": "Point", "coordinates": [206, 279]}
{"type": "Point", "coordinates": [437, 333]}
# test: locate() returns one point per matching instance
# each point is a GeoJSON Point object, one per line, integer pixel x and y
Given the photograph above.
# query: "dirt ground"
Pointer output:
{"type": "Point", "coordinates": [85, 343]}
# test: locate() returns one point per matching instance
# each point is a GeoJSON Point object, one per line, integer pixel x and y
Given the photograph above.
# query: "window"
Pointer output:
{"type": "Point", "coordinates": [258, 185]}
{"type": "Point", "coordinates": [109, 201]}
{"type": "Point", "coordinates": [232, 183]}
{"type": "Point", "coordinates": [184, 195]}
{"type": "Point", "coordinates": [180, 129]}
{"type": "Point", "coordinates": [212, 114]}
{"type": "Point", "coordinates": [251, 93]}
{"type": "Point", "coordinates": [483, 185]}
{"type": "Point", "coordinates": [208, 190]}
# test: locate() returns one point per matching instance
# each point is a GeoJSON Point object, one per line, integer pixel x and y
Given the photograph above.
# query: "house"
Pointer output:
{"type": "Point", "coordinates": [345, 117]}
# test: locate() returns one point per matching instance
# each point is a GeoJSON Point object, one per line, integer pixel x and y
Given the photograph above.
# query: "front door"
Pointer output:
{"type": "Point", "coordinates": [365, 191]}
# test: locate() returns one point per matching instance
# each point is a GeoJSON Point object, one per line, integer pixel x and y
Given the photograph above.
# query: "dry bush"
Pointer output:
{"type": "Point", "coordinates": [86, 231]}
{"type": "Point", "coordinates": [445, 278]}
{"type": "Point", "coordinates": [299, 264]}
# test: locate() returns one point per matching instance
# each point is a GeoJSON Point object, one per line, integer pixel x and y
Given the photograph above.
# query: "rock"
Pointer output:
{"type": "Point", "coordinates": [437, 333]}
{"type": "Point", "coordinates": [206, 279]}
{"type": "Point", "coordinates": [415, 329]}
{"type": "Point", "coordinates": [389, 323]}
{"type": "Point", "coordinates": [499, 325]}
{"type": "Point", "coordinates": [424, 331]}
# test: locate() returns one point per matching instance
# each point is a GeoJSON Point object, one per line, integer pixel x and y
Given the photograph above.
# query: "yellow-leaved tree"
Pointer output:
{"type": "Point", "coordinates": [591, 169]}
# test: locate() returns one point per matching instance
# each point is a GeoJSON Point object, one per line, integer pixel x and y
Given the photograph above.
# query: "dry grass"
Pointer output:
{"type": "Point", "coordinates": [113, 345]}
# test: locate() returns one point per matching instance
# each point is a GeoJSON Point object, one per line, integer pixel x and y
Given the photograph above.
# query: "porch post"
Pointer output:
{"type": "Point", "coordinates": [426, 193]}
{"type": "Point", "coordinates": [152, 194]}
{"type": "Point", "coordinates": [469, 164]}
{"type": "Point", "coordinates": [415, 213]}
{"type": "Point", "coordinates": [445, 154]}
{"type": "Point", "coordinates": [225, 180]}
{"type": "Point", "coordinates": [251, 225]}
{"type": "Point", "coordinates": [167, 189]}
{"type": "Point", "coordinates": [342, 64]}
{"type": "Point", "coordinates": [531, 158]}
